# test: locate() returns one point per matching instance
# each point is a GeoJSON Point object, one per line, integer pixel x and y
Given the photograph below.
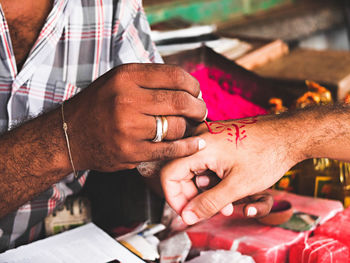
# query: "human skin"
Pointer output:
{"type": "Point", "coordinates": [24, 24]}
{"type": "Point", "coordinates": [255, 158]}
{"type": "Point", "coordinates": [254, 206]}
{"type": "Point", "coordinates": [110, 123]}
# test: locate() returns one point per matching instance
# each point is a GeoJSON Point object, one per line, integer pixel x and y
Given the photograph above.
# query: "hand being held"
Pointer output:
{"type": "Point", "coordinates": [249, 155]}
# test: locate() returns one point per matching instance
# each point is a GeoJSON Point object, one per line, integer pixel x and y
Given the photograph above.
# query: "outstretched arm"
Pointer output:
{"type": "Point", "coordinates": [250, 155]}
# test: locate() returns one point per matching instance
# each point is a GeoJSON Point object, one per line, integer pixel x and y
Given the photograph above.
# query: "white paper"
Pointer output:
{"type": "Point", "coordinates": [182, 33]}
{"type": "Point", "coordinates": [233, 48]}
{"type": "Point", "coordinates": [88, 244]}
{"type": "Point", "coordinates": [222, 256]}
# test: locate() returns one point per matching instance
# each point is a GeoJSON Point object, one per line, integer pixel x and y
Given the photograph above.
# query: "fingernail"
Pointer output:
{"type": "Point", "coordinates": [201, 144]}
{"type": "Point", "coordinates": [189, 217]}
{"type": "Point", "coordinates": [252, 211]}
{"type": "Point", "coordinates": [200, 95]}
{"type": "Point", "coordinates": [206, 115]}
{"type": "Point", "coordinates": [202, 181]}
{"type": "Point", "coordinates": [227, 210]}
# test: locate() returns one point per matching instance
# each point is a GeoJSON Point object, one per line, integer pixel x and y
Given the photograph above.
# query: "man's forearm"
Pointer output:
{"type": "Point", "coordinates": [251, 155]}
{"type": "Point", "coordinates": [317, 132]}
{"type": "Point", "coordinates": [33, 157]}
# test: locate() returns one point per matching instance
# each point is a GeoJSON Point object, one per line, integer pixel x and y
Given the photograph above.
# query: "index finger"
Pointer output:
{"type": "Point", "coordinates": [208, 203]}
{"type": "Point", "coordinates": [176, 179]}
{"type": "Point", "coordinates": [178, 192]}
{"type": "Point", "coordinates": [161, 76]}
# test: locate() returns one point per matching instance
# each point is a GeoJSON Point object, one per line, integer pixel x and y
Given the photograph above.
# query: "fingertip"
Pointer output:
{"type": "Point", "coordinates": [251, 211]}
{"type": "Point", "coordinates": [189, 217]}
{"type": "Point", "coordinates": [202, 181]}
{"type": "Point", "coordinates": [206, 114]}
{"type": "Point", "coordinates": [201, 144]}
{"type": "Point", "coordinates": [227, 210]}
{"type": "Point", "coordinates": [200, 94]}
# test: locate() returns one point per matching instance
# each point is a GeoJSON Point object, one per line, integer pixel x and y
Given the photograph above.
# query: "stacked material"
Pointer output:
{"type": "Point", "coordinates": [264, 243]}
{"type": "Point", "coordinates": [319, 249]}
{"type": "Point", "coordinates": [337, 227]}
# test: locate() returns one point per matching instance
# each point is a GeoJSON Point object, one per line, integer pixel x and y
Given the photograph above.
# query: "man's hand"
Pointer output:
{"type": "Point", "coordinates": [112, 122]}
{"type": "Point", "coordinates": [248, 155]}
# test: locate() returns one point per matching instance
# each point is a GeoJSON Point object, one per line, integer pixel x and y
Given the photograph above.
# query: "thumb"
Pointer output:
{"type": "Point", "coordinates": [209, 202]}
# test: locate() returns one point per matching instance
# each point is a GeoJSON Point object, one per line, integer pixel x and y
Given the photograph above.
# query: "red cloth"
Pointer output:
{"type": "Point", "coordinates": [319, 249]}
{"type": "Point", "coordinates": [264, 243]}
{"type": "Point", "coordinates": [337, 227]}
{"type": "Point", "coordinates": [223, 97]}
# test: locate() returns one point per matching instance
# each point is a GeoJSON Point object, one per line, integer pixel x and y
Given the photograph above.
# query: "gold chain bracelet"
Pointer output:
{"type": "Point", "coordinates": [65, 129]}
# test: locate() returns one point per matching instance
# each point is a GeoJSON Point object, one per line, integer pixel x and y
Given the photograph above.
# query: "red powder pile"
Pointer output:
{"type": "Point", "coordinates": [222, 100]}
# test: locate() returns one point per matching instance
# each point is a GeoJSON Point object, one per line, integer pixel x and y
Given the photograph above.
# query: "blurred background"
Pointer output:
{"type": "Point", "coordinates": [306, 23]}
{"type": "Point", "coordinates": [251, 57]}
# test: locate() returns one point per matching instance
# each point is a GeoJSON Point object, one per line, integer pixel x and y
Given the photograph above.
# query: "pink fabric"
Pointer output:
{"type": "Point", "coordinates": [319, 249]}
{"type": "Point", "coordinates": [222, 97]}
{"type": "Point", "coordinates": [337, 227]}
{"type": "Point", "coordinates": [265, 244]}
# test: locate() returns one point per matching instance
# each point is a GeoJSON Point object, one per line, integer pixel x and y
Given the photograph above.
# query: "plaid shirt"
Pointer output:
{"type": "Point", "coordinates": [81, 40]}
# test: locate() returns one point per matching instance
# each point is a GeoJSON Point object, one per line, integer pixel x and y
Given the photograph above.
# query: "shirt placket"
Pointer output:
{"type": "Point", "coordinates": [7, 56]}
{"type": "Point", "coordinates": [8, 69]}
{"type": "Point", "coordinates": [45, 45]}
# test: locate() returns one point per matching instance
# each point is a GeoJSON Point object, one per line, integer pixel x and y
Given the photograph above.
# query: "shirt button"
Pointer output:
{"type": "Point", "coordinates": [1, 232]}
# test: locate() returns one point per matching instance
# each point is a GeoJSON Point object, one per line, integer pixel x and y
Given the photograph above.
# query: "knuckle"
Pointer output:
{"type": "Point", "coordinates": [155, 156]}
{"type": "Point", "coordinates": [159, 97]}
{"type": "Point", "coordinates": [177, 128]}
{"type": "Point", "coordinates": [203, 107]}
{"type": "Point", "coordinates": [121, 101]}
{"type": "Point", "coordinates": [120, 123]}
{"type": "Point", "coordinates": [208, 206]}
{"type": "Point", "coordinates": [181, 102]}
{"type": "Point", "coordinates": [129, 67]}
{"type": "Point", "coordinates": [165, 153]}
{"type": "Point", "coordinates": [180, 128]}
{"type": "Point", "coordinates": [197, 86]}
{"type": "Point", "coordinates": [125, 72]}
{"type": "Point", "coordinates": [123, 123]}
{"type": "Point", "coordinates": [170, 151]}
{"type": "Point", "coordinates": [178, 75]}
{"type": "Point", "coordinates": [121, 73]}
{"type": "Point", "coordinates": [126, 150]}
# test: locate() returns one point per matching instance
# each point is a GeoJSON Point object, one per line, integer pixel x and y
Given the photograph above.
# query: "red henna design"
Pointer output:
{"type": "Point", "coordinates": [252, 120]}
{"type": "Point", "coordinates": [219, 127]}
